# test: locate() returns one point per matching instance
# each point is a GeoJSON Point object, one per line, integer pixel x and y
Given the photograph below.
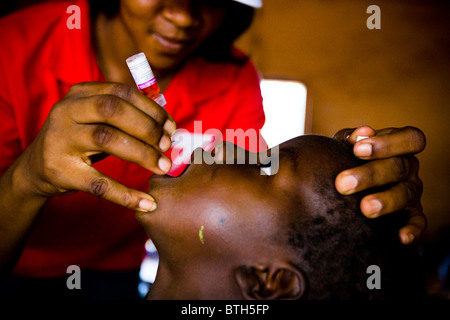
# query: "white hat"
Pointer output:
{"type": "Point", "coordinates": [251, 3]}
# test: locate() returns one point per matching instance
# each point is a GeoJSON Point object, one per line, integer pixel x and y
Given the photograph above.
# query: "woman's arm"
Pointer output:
{"type": "Point", "coordinates": [19, 208]}
{"type": "Point", "coordinates": [93, 120]}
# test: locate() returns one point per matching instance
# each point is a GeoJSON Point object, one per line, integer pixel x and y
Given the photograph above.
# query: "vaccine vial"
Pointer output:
{"type": "Point", "coordinates": [144, 78]}
{"type": "Point", "coordinates": [183, 142]}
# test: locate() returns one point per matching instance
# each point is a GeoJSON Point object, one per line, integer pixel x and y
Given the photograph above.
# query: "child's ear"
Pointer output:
{"type": "Point", "coordinates": [269, 282]}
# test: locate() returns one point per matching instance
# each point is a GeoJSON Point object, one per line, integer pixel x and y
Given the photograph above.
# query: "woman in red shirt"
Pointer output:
{"type": "Point", "coordinates": [67, 100]}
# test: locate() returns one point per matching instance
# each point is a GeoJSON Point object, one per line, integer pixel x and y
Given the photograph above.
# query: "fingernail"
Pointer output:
{"type": "Point", "coordinates": [348, 184]}
{"type": "Point", "coordinates": [170, 127]}
{"type": "Point", "coordinates": [164, 164]}
{"type": "Point", "coordinates": [407, 238]}
{"type": "Point", "coordinates": [374, 208]}
{"type": "Point", "coordinates": [359, 138]}
{"type": "Point", "coordinates": [363, 150]}
{"type": "Point", "coordinates": [165, 143]}
{"type": "Point", "coordinates": [146, 205]}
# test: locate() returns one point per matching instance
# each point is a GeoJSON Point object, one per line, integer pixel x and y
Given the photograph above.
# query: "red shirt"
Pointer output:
{"type": "Point", "coordinates": [40, 59]}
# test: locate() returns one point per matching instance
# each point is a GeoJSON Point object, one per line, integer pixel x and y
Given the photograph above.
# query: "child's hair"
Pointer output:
{"type": "Point", "coordinates": [335, 244]}
{"type": "Point", "coordinates": [219, 47]}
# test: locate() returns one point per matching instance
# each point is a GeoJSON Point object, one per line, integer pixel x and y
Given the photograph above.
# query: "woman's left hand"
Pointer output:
{"type": "Point", "coordinates": [393, 163]}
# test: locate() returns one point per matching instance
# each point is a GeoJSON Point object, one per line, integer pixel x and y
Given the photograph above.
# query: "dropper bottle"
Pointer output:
{"type": "Point", "coordinates": [144, 78]}
{"type": "Point", "coordinates": [183, 142]}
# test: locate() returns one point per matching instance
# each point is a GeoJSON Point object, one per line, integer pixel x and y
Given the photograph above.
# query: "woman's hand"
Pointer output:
{"type": "Point", "coordinates": [92, 121]}
{"type": "Point", "coordinates": [391, 151]}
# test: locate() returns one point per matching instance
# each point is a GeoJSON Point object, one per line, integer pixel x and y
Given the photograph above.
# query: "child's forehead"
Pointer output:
{"type": "Point", "coordinates": [293, 151]}
{"type": "Point", "coordinates": [307, 145]}
{"type": "Point", "coordinates": [309, 153]}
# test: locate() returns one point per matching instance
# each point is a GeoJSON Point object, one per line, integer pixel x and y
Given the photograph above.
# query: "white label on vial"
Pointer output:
{"type": "Point", "coordinates": [142, 74]}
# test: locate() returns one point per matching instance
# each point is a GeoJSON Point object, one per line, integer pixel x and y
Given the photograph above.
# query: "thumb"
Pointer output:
{"type": "Point", "coordinates": [353, 135]}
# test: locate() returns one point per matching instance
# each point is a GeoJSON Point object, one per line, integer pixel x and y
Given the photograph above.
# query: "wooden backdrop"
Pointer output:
{"type": "Point", "coordinates": [396, 76]}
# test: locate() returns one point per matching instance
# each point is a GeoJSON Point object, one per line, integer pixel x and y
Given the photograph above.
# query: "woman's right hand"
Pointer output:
{"type": "Point", "coordinates": [91, 121]}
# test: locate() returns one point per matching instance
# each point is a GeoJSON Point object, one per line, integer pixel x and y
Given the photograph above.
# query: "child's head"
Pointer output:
{"type": "Point", "coordinates": [224, 231]}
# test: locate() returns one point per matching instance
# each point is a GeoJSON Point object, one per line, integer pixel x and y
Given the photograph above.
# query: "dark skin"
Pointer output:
{"type": "Point", "coordinates": [95, 119]}
{"type": "Point", "coordinates": [214, 219]}
{"type": "Point", "coordinates": [118, 120]}
{"type": "Point", "coordinates": [393, 149]}
{"type": "Point", "coordinates": [221, 229]}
